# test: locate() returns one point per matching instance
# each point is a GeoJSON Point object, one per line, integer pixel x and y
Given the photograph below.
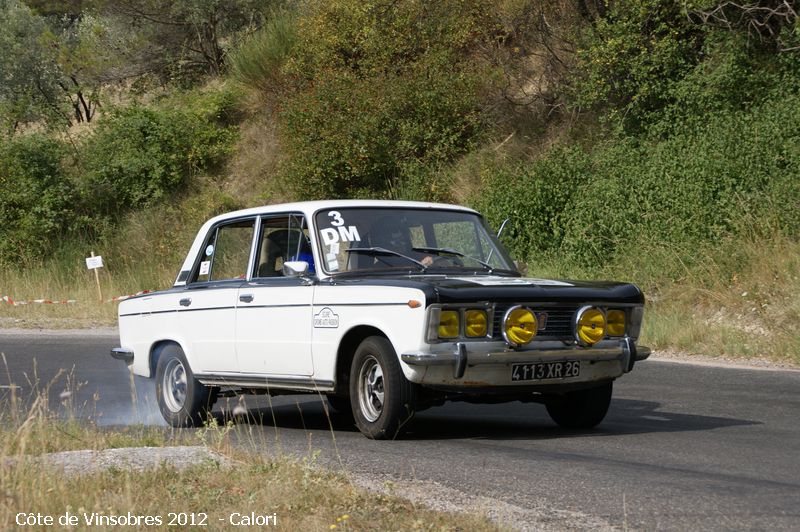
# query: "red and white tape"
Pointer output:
{"type": "Point", "coordinates": [11, 301]}
{"type": "Point", "coordinates": [123, 298]}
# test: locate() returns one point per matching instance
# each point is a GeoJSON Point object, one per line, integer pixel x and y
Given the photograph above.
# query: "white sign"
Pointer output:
{"type": "Point", "coordinates": [326, 319]}
{"type": "Point", "coordinates": [94, 262]}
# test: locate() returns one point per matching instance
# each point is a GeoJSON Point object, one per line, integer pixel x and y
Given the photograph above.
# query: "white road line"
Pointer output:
{"type": "Point", "coordinates": [656, 418]}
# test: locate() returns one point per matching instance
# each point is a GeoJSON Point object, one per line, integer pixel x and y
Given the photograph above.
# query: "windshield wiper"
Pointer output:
{"type": "Point", "coordinates": [457, 253]}
{"type": "Point", "coordinates": [384, 251]}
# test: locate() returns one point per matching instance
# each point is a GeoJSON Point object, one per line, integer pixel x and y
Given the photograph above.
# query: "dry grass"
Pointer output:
{"type": "Point", "coordinates": [300, 494]}
{"type": "Point", "coordinates": [737, 298]}
{"type": "Point", "coordinates": [253, 171]}
{"type": "Point", "coordinates": [743, 302]}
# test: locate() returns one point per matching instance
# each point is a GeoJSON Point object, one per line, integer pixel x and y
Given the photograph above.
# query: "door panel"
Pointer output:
{"type": "Point", "coordinates": [207, 321]}
{"type": "Point", "coordinates": [273, 327]}
{"type": "Point", "coordinates": [206, 310]}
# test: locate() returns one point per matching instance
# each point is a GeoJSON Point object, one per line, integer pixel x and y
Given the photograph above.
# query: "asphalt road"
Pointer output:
{"type": "Point", "coordinates": [683, 447]}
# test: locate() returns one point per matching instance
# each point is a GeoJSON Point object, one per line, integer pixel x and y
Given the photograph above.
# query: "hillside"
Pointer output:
{"type": "Point", "coordinates": [642, 140]}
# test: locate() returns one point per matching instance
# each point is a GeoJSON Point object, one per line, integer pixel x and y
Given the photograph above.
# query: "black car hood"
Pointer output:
{"type": "Point", "coordinates": [493, 288]}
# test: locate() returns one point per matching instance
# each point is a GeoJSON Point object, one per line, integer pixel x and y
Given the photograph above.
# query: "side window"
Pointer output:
{"type": "Point", "coordinates": [283, 239]}
{"type": "Point", "coordinates": [226, 252]}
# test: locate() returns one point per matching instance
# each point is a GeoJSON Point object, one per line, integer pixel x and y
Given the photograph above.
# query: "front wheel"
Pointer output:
{"type": "Point", "coordinates": [380, 395]}
{"type": "Point", "coordinates": [582, 409]}
{"type": "Point", "coordinates": [182, 399]}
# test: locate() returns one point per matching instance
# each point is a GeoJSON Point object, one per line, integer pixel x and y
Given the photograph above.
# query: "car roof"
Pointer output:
{"type": "Point", "coordinates": [310, 207]}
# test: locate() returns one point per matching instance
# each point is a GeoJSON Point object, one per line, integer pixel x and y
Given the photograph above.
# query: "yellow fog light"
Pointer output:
{"type": "Point", "coordinates": [616, 322]}
{"type": "Point", "coordinates": [475, 323]}
{"type": "Point", "coordinates": [448, 324]}
{"type": "Point", "coordinates": [590, 325]}
{"type": "Point", "coordinates": [519, 326]}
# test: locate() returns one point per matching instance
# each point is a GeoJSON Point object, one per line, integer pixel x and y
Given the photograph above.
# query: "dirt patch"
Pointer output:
{"type": "Point", "coordinates": [128, 458]}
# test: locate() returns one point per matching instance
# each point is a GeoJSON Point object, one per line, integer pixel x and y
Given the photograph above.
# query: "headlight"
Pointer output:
{"type": "Point", "coordinates": [590, 325]}
{"type": "Point", "coordinates": [475, 323]}
{"type": "Point", "coordinates": [448, 324]}
{"type": "Point", "coordinates": [616, 322]}
{"type": "Point", "coordinates": [519, 326]}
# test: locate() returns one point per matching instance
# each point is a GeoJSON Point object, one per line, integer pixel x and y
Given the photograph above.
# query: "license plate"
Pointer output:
{"type": "Point", "coordinates": [545, 370]}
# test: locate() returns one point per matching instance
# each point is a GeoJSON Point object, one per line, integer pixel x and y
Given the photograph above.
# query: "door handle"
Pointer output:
{"type": "Point", "coordinates": [186, 301]}
{"type": "Point", "coordinates": [246, 298]}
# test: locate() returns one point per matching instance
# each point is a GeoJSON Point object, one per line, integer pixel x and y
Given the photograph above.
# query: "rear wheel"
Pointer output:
{"type": "Point", "coordinates": [182, 399]}
{"type": "Point", "coordinates": [582, 409]}
{"type": "Point", "coordinates": [380, 395]}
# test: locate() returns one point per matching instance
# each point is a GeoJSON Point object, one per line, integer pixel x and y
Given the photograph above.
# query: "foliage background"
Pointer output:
{"type": "Point", "coordinates": [654, 141]}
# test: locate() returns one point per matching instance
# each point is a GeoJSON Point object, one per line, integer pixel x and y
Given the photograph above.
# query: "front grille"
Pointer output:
{"type": "Point", "coordinates": [559, 321]}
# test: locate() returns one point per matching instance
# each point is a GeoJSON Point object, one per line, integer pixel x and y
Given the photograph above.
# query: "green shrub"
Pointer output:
{"type": "Point", "coordinates": [731, 173]}
{"type": "Point", "coordinates": [139, 154]}
{"type": "Point", "coordinates": [629, 60]}
{"type": "Point", "coordinates": [383, 93]}
{"type": "Point", "coordinates": [366, 137]}
{"type": "Point", "coordinates": [535, 198]}
{"type": "Point", "coordinates": [258, 61]}
{"type": "Point", "coordinates": [36, 198]}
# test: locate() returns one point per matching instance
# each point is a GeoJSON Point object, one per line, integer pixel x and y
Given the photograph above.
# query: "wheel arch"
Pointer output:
{"type": "Point", "coordinates": [155, 352]}
{"type": "Point", "coordinates": [344, 355]}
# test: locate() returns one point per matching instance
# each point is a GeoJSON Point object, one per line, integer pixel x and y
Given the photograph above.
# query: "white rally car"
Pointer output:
{"type": "Point", "coordinates": [386, 307]}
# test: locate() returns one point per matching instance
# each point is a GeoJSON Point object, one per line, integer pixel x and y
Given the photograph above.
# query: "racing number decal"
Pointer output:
{"type": "Point", "coordinates": [333, 235]}
{"type": "Point", "coordinates": [337, 219]}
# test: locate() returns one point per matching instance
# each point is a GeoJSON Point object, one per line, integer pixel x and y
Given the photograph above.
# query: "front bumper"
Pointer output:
{"type": "Point", "coordinates": [624, 351]}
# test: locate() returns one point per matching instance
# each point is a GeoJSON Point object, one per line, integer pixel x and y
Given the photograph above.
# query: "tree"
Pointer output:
{"type": "Point", "coordinates": [194, 33]}
{"type": "Point", "coordinates": [29, 70]}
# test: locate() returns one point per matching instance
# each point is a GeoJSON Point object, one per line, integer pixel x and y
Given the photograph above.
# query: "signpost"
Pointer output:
{"type": "Point", "coordinates": [95, 263]}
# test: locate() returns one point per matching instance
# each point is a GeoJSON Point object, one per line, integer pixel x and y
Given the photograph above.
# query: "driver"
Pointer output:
{"type": "Point", "coordinates": [392, 233]}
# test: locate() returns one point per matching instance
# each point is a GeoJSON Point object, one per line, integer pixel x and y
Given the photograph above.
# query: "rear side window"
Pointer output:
{"type": "Point", "coordinates": [226, 253]}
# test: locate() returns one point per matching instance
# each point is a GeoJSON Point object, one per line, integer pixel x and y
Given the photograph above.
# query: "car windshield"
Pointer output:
{"type": "Point", "coordinates": [424, 240]}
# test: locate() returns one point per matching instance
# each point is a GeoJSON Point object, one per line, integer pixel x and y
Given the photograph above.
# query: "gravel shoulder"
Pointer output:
{"type": "Point", "coordinates": [94, 331]}
{"type": "Point", "coordinates": [754, 363]}
{"type": "Point", "coordinates": [442, 498]}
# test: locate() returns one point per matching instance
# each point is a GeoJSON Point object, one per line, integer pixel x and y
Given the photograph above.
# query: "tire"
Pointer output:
{"type": "Point", "coordinates": [381, 397]}
{"type": "Point", "coordinates": [182, 399]}
{"type": "Point", "coordinates": [582, 409]}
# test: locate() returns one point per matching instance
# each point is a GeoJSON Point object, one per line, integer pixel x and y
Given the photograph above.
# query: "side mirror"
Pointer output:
{"type": "Point", "coordinates": [295, 268]}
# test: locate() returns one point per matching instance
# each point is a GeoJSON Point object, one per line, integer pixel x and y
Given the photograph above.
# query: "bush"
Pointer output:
{"type": "Point", "coordinates": [36, 198]}
{"type": "Point", "coordinates": [382, 94]}
{"type": "Point", "coordinates": [259, 60]}
{"type": "Point", "coordinates": [535, 198]}
{"type": "Point", "coordinates": [139, 154]}
{"type": "Point", "coordinates": [733, 172]}
{"type": "Point", "coordinates": [360, 138]}
{"type": "Point", "coordinates": [629, 60]}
